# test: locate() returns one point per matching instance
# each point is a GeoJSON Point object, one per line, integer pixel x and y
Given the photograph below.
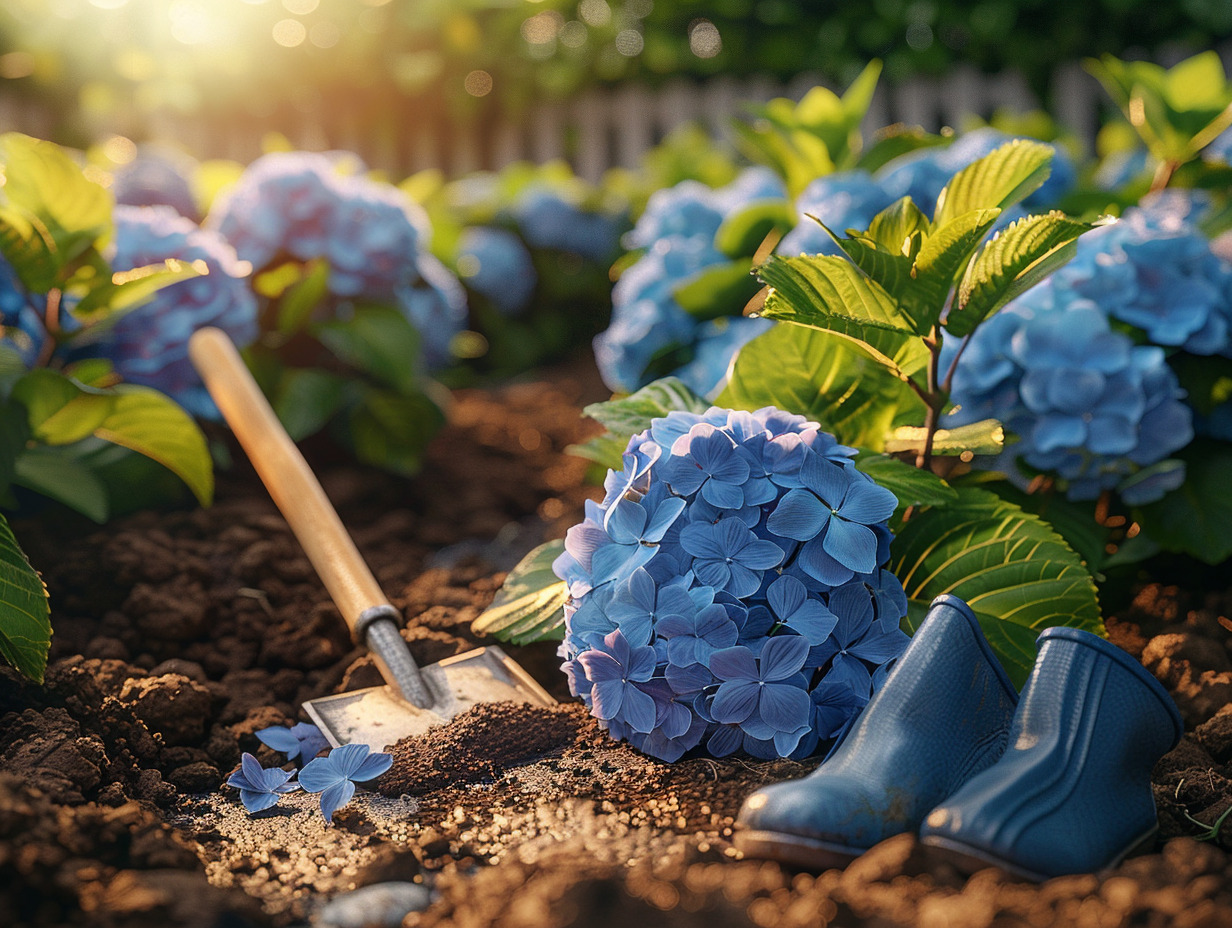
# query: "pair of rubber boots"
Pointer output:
{"type": "Point", "coordinates": [1054, 782]}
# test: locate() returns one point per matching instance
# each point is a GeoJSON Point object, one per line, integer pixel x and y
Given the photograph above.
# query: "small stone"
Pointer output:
{"type": "Point", "coordinates": [381, 904]}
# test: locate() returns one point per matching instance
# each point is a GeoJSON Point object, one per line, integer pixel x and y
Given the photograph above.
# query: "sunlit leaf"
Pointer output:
{"type": "Point", "coordinates": [1000, 179]}
{"type": "Point", "coordinates": [25, 617]}
{"type": "Point", "coordinates": [530, 603]}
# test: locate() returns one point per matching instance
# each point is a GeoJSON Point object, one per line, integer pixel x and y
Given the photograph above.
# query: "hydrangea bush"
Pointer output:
{"type": "Point", "coordinates": [729, 592]}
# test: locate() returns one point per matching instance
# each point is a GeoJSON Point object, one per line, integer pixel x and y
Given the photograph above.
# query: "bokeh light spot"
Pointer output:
{"type": "Point", "coordinates": [16, 64]}
{"type": "Point", "coordinates": [629, 42]}
{"type": "Point", "coordinates": [119, 150]}
{"type": "Point", "coordinates": [478, 83]}
{"type": "Point", "coordinates": [542, 27]}
{"type": "Point", "coordinates": [595, 12]}
{"type": "Point", "coordinates": [325, 34]}
{"type": "Point", "coordinates": [574, 34]}
{"type": "Point", "coordinates": [919, 36]}
{"type": "Point", "coordinates": [704, 38]}
{"type": "Point", "coordinates": [289, 32]}
{"type": "Point", "coordinates": [300, 7]}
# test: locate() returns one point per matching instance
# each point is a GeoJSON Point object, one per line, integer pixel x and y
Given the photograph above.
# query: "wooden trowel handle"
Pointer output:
{"type": "Point", "coordinates": [286, 475]}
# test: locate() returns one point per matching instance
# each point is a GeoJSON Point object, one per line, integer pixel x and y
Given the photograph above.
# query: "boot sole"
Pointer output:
{"type": "Point", "coordinates": [968, 859]}
{"type": "Point", "coordinates": [795, 850]}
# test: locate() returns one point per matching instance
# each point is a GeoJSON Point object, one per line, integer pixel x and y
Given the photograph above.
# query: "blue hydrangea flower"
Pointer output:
{"type": "Point", "coordinates": [687, 558]}
{"type": "Point", "coordinates": [547, 219]}
{"type": "Point", "coordinates": [302, 739]}
{"type": "Point", "coordinates": [149, 345]}
{"type": "Point", "coordinates": [843, 200]}
{"type": "Point", "coordinates": [495, 263]}
{"type": "Point", "coordinates": [157, 178]}
{"type": "Point", "coordinates": [650, 334]}
{"type": "Point", "coordinates": [1155, 270]}
{"type": "Point", "coordinates": [335, 775]}
{"type": "Point", "coordinates": [436, 305]}
{"type": "Point", "coordinates": [1085, 402]}
{"type": "Point", "coordinates": [22, 325]}
{"type": "Point", "coordinates": [260, 788]}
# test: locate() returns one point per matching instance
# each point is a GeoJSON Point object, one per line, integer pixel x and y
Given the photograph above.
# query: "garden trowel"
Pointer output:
{"type": "Point", "coordinates": [415, 698]}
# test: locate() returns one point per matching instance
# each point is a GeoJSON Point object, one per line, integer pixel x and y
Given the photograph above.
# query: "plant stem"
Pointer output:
{"type": "Point", "coordinates": [51, 322]}
{"type": "Point", "coordinates": [1163, 175]}
{"type": "Point", "coordinates": [934, 401]}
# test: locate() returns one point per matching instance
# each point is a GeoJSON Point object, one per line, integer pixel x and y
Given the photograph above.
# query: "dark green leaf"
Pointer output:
{"type": "Point", "coordinates": [61, 411]}
{"type": "Point", "coordinates": [821, 376]}
{"type": "Point", "coordinates": [1009, 565]}
{"type": "Point", "coordinates": [721, 290]}
{"type": "Point", "coordinates": [530, 604]}
{"type": "Point", "coordinates": [631, 414]}
{"type": "Point", "coordinates": [146, 421]}
{"type": "Point", "coordinates": [25, 618]}
{"type": "Point", "coordinates": [894, 142]}
{"type": "Point", "coordinates": [745, 229]}
{"type": "Point", "coordinates": [305, 399]}
{"type": "Point", "coordinates": [377, 340]}
{"type": "Point", "coordinates": [30, 249]}
{"type": "Point", "coordinates": [1016, 259]}
{"type": "Point", "coordinates": [302, 297]}
{"type": "Point", "coordinates": [997, 181]}
{"type": "Point", "coordinates": [1194, 518]}
{"type": "Point", "coordinates": [14, 433]}
{"type": "Point", "coordinates": [1072, 520]}
{"type": "Point", "coordinates": [65, 479]}
{"type": "Point", "coordinates": [390, 429]}
{"type": "Point", "coordinates": [912, 485]}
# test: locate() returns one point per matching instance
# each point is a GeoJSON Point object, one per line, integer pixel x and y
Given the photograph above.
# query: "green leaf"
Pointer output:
{"type": "Point", "coordinates": [377, 340]}
{"type": "Point", "coordinates": [43, 183]}
{"type": "Point", "coordinates": [721, 290]}
{"type": "Point", "coordinates": [64, 478]}
{"type": "Point", "coordinates": [821, 376]}
{"type": "Point", "coordinates": [742, 231]}
{"type": "Point", "coordinates": [1194, 518]}
{"type": "Point", "coordinates": [530, 605]}
{"type": "Point", "coordinates": [390, 429]}
{"type": "Point", "coordinates": [1016, 259]}
{"type": "Point", "coordinates": [305, 399]}
{"type": "Point", "coordinates": [606, 450]}
{"type": "Point", "coordinates": [942, 257]}
{"type": "Point", "coordinates": [146, 421]}
{"type": "Point", "coordinates": [302, 297]}
{"type": "Point", "coordinates": [984, 437]}
{"type": "Point", "coordinates": [894, 142]}
{"type": "Point", "coordinates": [129, 289]}
{"type": "Point", "coordinates": [997, 181]}
{"type": "Point", "coordinates": [895, 227]}
{"type": "Point", "coordinates": [1007, 564]}
{"type": "Point", "coordinates": [814, 289]}
{"type": "Point", "coordinates": [30, 249]}
{"type": "Point", "coordinates": [912, 485]}
{"type": "Point", "coordinates": [14, 433]}
{"type": "Point", "coordinates": [632, 414]}
{"type": "Point", "coordinates": [25, 617]}
{"type": "Point", "coordinates": [61, 411]}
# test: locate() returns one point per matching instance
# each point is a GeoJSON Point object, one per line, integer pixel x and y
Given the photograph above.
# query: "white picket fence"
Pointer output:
{"type": "Point", "coordinates": [593, 132]}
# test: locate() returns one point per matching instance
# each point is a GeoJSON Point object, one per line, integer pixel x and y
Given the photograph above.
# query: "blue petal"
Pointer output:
{"type": "Point", "coordinates": [258, 802]}
{"type": "Point", "coordinates": [372, 767]}
{"type": "Point", "coordinates": [760, 555]}
{"type": "Point", "coordinates": [867, 502]}
{"type": "Point", "coordinates": [335, 797]}
{"type": "Point", "coordinates": [723, 495]}
{"type": "Point", "coordinates": [319, 775]}
{"type": "Point", "coordinates": [642, 589]}
{"type": "Point", "coordinates": [713, 573]}
{"type": "Point", "coordinates": [814, 621]}
{"type": "Point", "coordinates": [252, 770]}
{"type": "Point", "coordinates": [825, 478]}
{"type": "Point", "coordinates": [600, 667]}
{"type": "Point", "coordinates": [735, 701]}
{"type": "Point", "coordinates": [609, 697]}
{"type": "Point", "coordinates": [782, 656]}
{"type": "Point", "coordinates": [784, 707]}
{"type": "Point", "coordinates": [819, 565]}
{"type": "Point", "coordinates": [786, 595]}
{"type": "Point", "coordinates": [726, 739]}
{"type": "Point", "coordinates": [638, 710]}
{"type": "Point", "coordinates": [736, 663]}
{"type": "Point", "coordinates": [664, 516]}
{"type": "Point", "coordinates": [348, 758]}
{"type": "Point", "coordinates": [688, 679]}
{"type": "Point", "coordinates": [851, 672]}
{"type": "Point", "coordinates": [799, 515]}
{"type": "Point", "coordinates": [641, 663]}
{"type": "Point", "coordinates": [852, 545]}
{"type": "Point", "coordinates": [625, 522]}
{"type": "Point", "coordinates": [700, 540]}
{"type": "Point", "coordinates": [280, 739]}
{"type": "Point", "coordinates": [743, 582]}
{"type": "Point", "coordinates": [879, 648]}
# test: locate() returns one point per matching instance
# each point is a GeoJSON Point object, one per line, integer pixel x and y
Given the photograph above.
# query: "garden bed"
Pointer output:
{"type": "Point", "coordinates": [178, 635]}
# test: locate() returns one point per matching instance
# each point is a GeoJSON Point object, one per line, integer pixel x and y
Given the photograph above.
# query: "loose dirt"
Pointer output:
{"type": "Point", "coordinates": [179, 634]}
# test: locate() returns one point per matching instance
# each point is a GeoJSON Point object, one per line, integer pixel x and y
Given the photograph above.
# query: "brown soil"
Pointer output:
{"type": "Point", "coordinates": [179, 634]}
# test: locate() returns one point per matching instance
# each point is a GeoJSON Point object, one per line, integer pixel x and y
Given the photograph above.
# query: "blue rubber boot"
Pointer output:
{"type": "Point", "coordinates": [1072, 793]}
{"type": "Point", "coordinates": [942, 715]}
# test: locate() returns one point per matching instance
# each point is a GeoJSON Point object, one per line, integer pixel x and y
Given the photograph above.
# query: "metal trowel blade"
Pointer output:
{"type": "Point", "coordinates": [380, 717]}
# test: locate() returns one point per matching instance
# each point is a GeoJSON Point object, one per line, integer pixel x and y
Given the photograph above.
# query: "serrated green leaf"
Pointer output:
{"type": "Point", "coordinates": [1016, 259]}
{"type": "Point", "coordinates": [377, 340]}
{"type": "Point", "coordinates": [942, 257]}
{"type": "Point", "coordinates": [530, 605]}
{"type": "Point", "coordinates": [821, 376]}
{"type": "Point", "coordinates": [25, 617]}
{"type": "Point", "coordinates": [742, 231]}
{"type": "Point", "coordinates": [1007, 564]}
{"type": "Point", "coordinates": [997, 181]}
{"type": "Point", "coordinates": [895, 227]}
{"type": "Point", "coordinates": [912, 485]}
{"type": "Point", "coordinates": [28, 246]}
{"type": "Point", "coordinates": [302, 297]}
{"type": "Point", "coordinates": [42, 181]}
{"type": "Point", "coordinates": [65, 479]}
{"type": "Point", "coordinates": [721, 290]}
{"type": "Point", "coordinates": [814, 289]}
{"type": "Point", "coordinates": [631, 414]}
{"type": "Point", "coordinates": [127, 290]}
{"type": "Point", "coordinates": [1193, 519]}
{"type": "Point", "coordinates": [146, 421]}
{"type": "Point", "coordinates": [984, 437]}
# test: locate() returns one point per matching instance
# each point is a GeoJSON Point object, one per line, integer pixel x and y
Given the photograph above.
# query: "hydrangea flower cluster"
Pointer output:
{"type": "Point", "coordinates": [1155, 270]}
{"type": "Point", "coordinates": [156, 178]}
{"type": "Point", "coordinates": [729, 591]}
{"type": "Point", "coordinates": [1085, 401]}
{"type": "Point", "coordinates": [23, 330]}
{"type": "Point", "coordinates": [547, 219]}
{"type": "Point", "coordinates": [300, 205]}
{"type": "Point", "coordinates": [149, 345]}
{"type": "Point", "coordinates": [677, 228]}
{"type": "Point", "coordinates": [495, 264]}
